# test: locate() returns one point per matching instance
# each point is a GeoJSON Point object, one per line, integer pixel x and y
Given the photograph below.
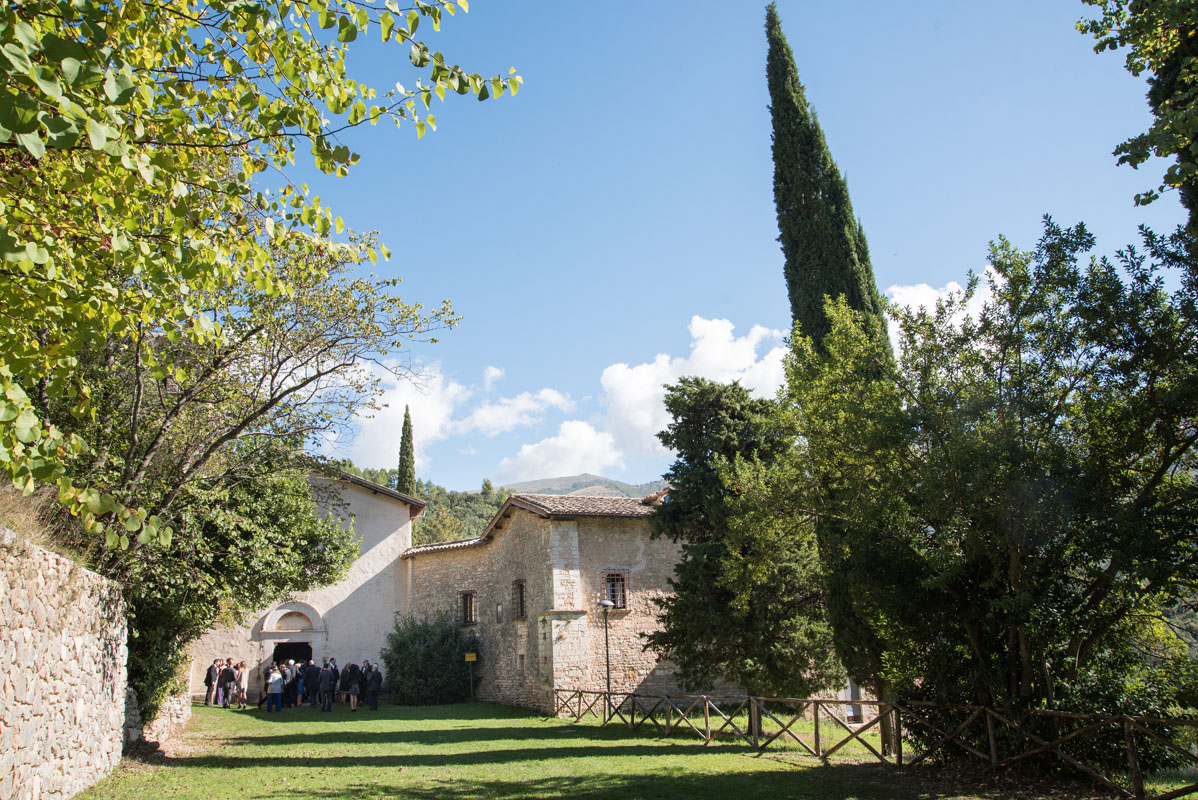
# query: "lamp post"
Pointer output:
{"type": "Point", "coordinates": [607, 606]}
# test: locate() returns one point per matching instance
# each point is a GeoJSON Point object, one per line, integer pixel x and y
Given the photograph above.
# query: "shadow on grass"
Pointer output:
{"type": "Point", "coordinates": [840, 782]}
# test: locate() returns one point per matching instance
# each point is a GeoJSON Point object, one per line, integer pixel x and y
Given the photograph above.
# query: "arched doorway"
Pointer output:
{"type": "Point", "coordinates": [300, 652]}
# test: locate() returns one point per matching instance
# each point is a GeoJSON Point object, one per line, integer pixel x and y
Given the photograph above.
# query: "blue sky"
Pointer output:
{"type": "Point", "coordinates": [612, 227]}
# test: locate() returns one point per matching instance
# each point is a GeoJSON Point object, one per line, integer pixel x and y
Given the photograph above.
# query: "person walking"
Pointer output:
{"type": "Point", "coordinates": [274, 690]}
{"type": "Point", "coordinates": [326, 683]}
{"type": "Point", "coordinates": [374, 686]}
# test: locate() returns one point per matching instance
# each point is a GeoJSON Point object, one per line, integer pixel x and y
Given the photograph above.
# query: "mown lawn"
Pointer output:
{"type": "Point", "coordinates": [475, 751]}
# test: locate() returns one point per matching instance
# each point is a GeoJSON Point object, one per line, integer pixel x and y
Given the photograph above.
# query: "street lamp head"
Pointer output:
{"type": "Point", "coordinates": [607, 606]}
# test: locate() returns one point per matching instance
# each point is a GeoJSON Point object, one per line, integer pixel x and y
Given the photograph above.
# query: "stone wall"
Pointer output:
{"type": "Point", "coordinates": [62, 673]}
{"type": "Point", "coordinates": [173, 714]}
{"type": "Point", "coordinates": [514, 660]}
{"type": "Point", "coordinates": [559, 643]}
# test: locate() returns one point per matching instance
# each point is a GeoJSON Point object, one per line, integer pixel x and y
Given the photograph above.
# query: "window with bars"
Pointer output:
{"type": "Point", "coordinates": [518, 599]}
{"type": "Point", "coordinates": [615, 587]}
{"type": "Point", "coordinates": [469, 610]}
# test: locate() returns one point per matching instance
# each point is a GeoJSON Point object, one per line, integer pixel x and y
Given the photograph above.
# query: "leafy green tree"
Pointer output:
{"type": "Point", "coordinates": [454, 515]}
{"type": "Point", "coordinates": [738, 611]}
{"type": "Point", "coordinates": [824, 244]}
{"type": "Point", "coordinates": [135, 139]}
{"type": "Point", "coordinates": [206, 443]}
{"type": "Point", "coordinates": [1017, 505]}
{"type": "Point", "coordinates": [425, 661]}
{"type": "Point", "coordinates": [406, 477]}
{"type": "Point", "coordinates": [1161, 39]}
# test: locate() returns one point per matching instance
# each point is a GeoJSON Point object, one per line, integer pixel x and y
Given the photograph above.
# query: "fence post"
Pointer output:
{"type": "Point", "coordinates": [1133, 759]}
{"type": "Point", "coordinates": [815, 714]}
{"type": "Point", "coordinates": [754, 718]}
{"type": "Point", "coordinates": [993, 739]}
{"type": "Point", "coordinates": [898, 735]}
{"type": "Point", "coordinates": [706, 721]}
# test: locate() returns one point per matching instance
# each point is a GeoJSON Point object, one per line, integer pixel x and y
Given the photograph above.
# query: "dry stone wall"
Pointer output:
{"type": "Point", "coordinates": [62, 674]}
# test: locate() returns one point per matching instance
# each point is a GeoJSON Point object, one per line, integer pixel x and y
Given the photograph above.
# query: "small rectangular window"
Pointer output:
{"type": "Point", "coordinates": [469, 613]}
{"type": "Point", "coordinates": [615, 588]}
{"type": "Point", "coordinates": [518, 598]}
{"type": "Point", "coordinates": [499, 612]}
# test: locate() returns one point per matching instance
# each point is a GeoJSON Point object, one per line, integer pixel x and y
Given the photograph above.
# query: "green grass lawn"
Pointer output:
{"type": "Point", "coordinates": [473, 751]}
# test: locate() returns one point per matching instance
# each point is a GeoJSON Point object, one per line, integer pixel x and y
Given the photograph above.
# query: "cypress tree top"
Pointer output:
{"type": "Point", "coordinates": [823, 243]}
{"type": "Point", "coordinates": [406, 480]}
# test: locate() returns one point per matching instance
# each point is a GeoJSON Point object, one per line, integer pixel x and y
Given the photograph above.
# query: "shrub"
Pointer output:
{"type": "Point", "coordinates": [426, 661]}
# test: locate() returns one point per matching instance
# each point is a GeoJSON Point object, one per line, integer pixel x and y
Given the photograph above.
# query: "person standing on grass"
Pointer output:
{"type": "Point", "coordinates": [374, 685]}
{"type": "Point", "coordinates": [243, 683]}
{"type": "Point", "coordinates": [312, 683]}
{"type": "Point", "coordinates": [326, 683]}
{"type": "Point", "coordinates": [353, 684]}
{"type": "Point", "coordinates": [210, 678]}
{"type": "Point", "coordinates": [362, 688]}
{"type": "Point", "coordinates": [336, 675]}
{"type": "Point", "coordinates": [225, 683]}
{"type": "Point", "coordinates": [274, 691]}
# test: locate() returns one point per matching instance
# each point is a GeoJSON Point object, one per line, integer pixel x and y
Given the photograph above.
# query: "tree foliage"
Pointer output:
{"type": "Point", "coordinates": [739, 610]}
{"type": "Point", "coordinates": [823, 243]}
{"type": "Point", "coordinates": [425, 661]}
{"type": "Point", "coordinates": [1161, 39]}
{"type": "Point", "coordinates": [134, 141]}
{"type": "Point", "coordinates": [455, 515]}
{"type": "Point", "coordinates": [1017, 505]}
{"type": "Point", "coordinates": [405, 479]}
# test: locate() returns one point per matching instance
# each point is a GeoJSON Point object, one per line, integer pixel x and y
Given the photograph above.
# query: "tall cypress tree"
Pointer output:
{"type": "Point", "coordinates": [824, 245]}
{"type": "Point", "coordinates": [406, 481]}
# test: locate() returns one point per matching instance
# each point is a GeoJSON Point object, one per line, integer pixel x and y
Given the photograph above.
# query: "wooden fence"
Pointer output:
{"type": "Point", "coordinates": [762, 722]}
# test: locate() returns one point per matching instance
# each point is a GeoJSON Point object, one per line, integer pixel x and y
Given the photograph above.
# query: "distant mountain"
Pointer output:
{"type": "Point", "coordinates": [585, 485]}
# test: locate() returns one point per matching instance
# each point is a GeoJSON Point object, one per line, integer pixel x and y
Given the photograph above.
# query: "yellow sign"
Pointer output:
{"type": "Point", "coordinates": [472, 656]}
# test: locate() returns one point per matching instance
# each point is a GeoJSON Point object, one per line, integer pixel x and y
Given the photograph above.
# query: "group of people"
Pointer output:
{"type": "Point", "coordinates": [290, 684]}
{"type": "Point", "coordinates": [227, 683]}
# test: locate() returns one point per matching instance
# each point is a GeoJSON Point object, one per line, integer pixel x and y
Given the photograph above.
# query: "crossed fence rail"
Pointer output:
{"type": "Point", "coordinates": [762, 722]}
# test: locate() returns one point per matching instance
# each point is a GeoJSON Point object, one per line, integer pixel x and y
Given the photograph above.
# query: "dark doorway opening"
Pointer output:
{"type": "Point", "coordinates": [300, 652]}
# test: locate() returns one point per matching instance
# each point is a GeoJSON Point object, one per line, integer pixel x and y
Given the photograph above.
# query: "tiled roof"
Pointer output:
{"type": "Point", "coordinates": [551, 505]}
{"type": "Point", "coordinates": [565, 505]}
{"type": "Point", "coordinates": [437, 547]}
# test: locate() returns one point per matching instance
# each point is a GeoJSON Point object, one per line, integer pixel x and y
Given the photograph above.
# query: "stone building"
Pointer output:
{"type": "Point", "coordinates": [348, 620]}
{"type": "Point", "coordinates": [530, 587]}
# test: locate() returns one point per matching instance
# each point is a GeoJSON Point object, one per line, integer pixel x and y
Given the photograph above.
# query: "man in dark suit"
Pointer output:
{"type": "Point", "coordinates": [326, 683]}
{"type": "Point", "coordinates": [374, 685]}
{"type": "Point", "coordinates": [224, 683]}
{"type": "Point", "coordinates": [312, 683]}
{"type": "Point", "coordinates": [210, 678]}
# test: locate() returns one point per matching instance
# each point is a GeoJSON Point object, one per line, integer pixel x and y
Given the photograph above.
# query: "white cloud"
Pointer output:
{"type": "Point", "coordinates": [432, 401]}
{"type": "Point", "coordinates": [635, 395]}
{"type": "Point", "coordinates": [576, 448]}
{"type": "Point", "coordinates": [490, 375]}
{"type": "Point", "coordinates": [492, 419]}
{"type": "Point", "coordinates": [925, 295]}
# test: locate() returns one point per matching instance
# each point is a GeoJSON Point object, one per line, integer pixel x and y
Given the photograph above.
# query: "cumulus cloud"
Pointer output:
{"type": "Point", "coordinates": [925, 295]}
{"type": "Point", "coordinates": [433, 400]}
{"type": "Point", "coordinates": [635, 394]}
{"type": "Point", "coordinates": [492, 419]}
{"type": "Point", "coordinates": [490, 375]}
{"type": "Point", "coordinates": [577, 447]}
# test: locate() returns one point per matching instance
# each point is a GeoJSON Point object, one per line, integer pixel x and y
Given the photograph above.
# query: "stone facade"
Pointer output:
{"type": "Point", "coordinates": [348, 620]}
{"type": "Point", "coordinates": [62, 673]}
{"type": "Point", "coordinates": [172, 717]}
{"type": "Point", "coordinates": [560, 550]}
